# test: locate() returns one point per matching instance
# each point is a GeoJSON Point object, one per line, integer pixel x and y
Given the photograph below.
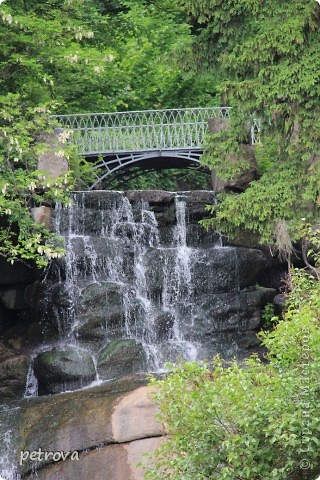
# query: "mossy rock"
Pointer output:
{"type": "Point", "coordinates": [121, 357]}
{"type": "Point", "coordinates": [61, 369]}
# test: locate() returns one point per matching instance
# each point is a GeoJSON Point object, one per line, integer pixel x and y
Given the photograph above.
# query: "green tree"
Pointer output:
{"type": "Point", "coordinates": [252, 421]}
{"type": "Point", "coordinates": [266, 55]}
{"type": "Point", "coordinates": [38, 39]}
{"type": "Point", "coordinates": [153, 36]}
{"type": "Point", "coordinates": [23, 186]}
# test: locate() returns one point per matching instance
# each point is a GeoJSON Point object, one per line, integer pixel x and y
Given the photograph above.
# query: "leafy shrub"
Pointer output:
{"type": "Point", "coordinates": [255, 421]}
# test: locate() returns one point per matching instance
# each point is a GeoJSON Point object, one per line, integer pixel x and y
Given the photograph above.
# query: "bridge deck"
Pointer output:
{"type": "Point", "coordinates": [140, 131]}
{"type": "Point", "coordinates": [126, 139]}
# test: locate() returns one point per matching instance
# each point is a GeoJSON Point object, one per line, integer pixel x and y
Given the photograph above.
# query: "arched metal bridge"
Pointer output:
{"type": "Point", "coordinates": [148, 139]}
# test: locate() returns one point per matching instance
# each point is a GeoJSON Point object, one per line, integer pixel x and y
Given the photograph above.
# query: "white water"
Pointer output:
{"type": "Point", "coordinates": [32, 382]}
{"type": "Point", "coordinates": [8, 468]}
{"type": "Point", "coordinates": [118, 227]}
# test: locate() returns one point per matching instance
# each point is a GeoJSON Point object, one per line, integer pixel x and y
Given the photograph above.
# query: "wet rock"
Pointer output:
{"type": "Point", "coordinates": [102, 311]}
{"type": "Point", "coordinates": [279, 302]}
{"type": "Point", "coordinates": [163, 326]}
{"type": "Point", "coordinates": [230, 312]}
{"type": "Point", "coordinates": [13, 298]}
{"type": "Point", "coordinates": [200, 286]}
{"type": "Point", "coordinates": [97, 328]}
{"type": "Point", "coordinates": [2, 318]}
{"type": "Point", "coordinates": [118, 413]}
{"type": "Point", "coordinates": [13, 375]}
{"type": "Point", "coordinates": [99, 199]}
{"type": "Point", "coordinates": [104, 323]}
{"type": "Point", "coordinates": [5, 351]}
{"type": "Point", "coordinates": [250, 341]}
{"type": "Point", "coordinates": [213, 270]}
{"type": "Point", "coordinates": [97, 296]}
{"type": "Point", "coordinates": [61, 369]}
{"type": "Point", "coordinates": [34, 294]}
{"type": "Point", "coordinates": [176, 352]}
{"type": "Point", "coordinates": [121, 357]}
{"type": "Point", "coordinates": [196, 202]}
{"type": "Point", "coordinates": [150, 196]}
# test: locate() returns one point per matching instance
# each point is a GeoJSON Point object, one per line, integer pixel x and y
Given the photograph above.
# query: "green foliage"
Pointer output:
{"type": "Point", "coordinates": [252, 421]}
{"type": "Point", "coordinates": [268, 316]}
{"type": "Point", "coordinates": [311, 247]}
{"type": "Point", "coordinates": [149, 53]}
{"type": "Point", "coordinates": [23, 186]}
{"type": "Point", "coordinates": [271, 207]}
{"type": "Point", "coordinates": [41, 43]}
{"type": "Point", "coordinates": [269, 73]}
{"type": "Point", "coordinates": [170, 179]}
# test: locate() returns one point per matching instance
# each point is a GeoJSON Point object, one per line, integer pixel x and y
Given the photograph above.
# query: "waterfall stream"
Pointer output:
{"type": "Point", "coordinates": [8, 420]}
{"type": "Point", "coordinates": [141, 269]}
{"type": "Point", "coordinates": [116, 252]}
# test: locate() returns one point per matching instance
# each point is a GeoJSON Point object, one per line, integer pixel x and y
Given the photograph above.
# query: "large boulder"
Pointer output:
{"type": "Point", "coordinates": [110, 462]}
{"type": "Point", "coordinates": [229, 312]}
{"type": "Point", "coordinates": [108, 427]}
{"type": "Point", "coordinates": [101, 296]}
{"type": "Point", "coordinates": [61, 369]}
{"type": "Point", "coordinates": [121, 357]}
{"type": "Point", "coordinates": [101, 313]}
{"type": "Point", "coordinates": [249, 172]}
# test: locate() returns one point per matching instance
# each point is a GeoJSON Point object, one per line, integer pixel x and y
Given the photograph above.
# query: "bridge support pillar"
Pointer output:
{"type": "Point", "coordinates": [53, 163]}
{"type": "Point", "coordinates": [52, 160]}
{"type": "Point", "coordinates": [241, 180]}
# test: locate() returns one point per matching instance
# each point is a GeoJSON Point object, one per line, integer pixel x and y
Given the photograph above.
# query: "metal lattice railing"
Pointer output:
{"type": "Point", "coordinates": [140, 131]}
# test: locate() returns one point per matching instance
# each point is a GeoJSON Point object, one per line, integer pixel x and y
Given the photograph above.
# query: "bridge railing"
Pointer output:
{"type": "Point", "coordinates": [146, 130]}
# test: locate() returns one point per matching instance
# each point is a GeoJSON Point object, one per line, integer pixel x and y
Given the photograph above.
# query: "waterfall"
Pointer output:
{"type": "Point", "coordinates": [139, 268]}
{"type": "Point", "coordinates": [110, 241]}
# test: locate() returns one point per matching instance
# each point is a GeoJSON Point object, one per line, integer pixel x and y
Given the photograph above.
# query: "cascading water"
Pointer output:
{"type": "Point", "coordinates": [141, 270]}
{"type": "Point", "coordinates": [8, 419]}
{"type": "Point", "coordinates": [110, 243]}
{"type": "Point", "coordinates": [134, 232]}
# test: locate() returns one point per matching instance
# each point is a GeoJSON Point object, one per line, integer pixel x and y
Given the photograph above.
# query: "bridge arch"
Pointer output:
{"type": "Point", "coordinates": [113, 165]}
